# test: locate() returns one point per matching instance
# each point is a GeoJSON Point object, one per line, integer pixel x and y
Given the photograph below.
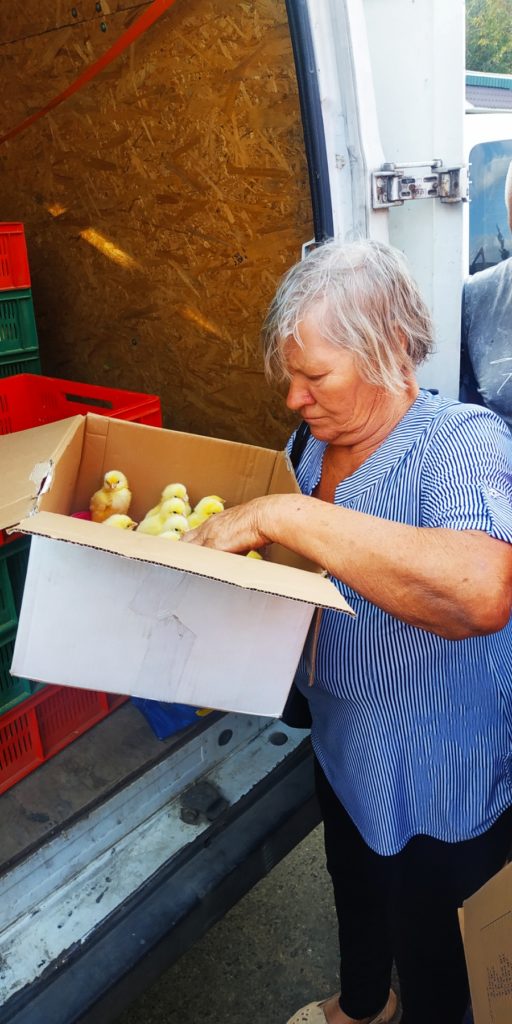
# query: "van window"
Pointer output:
{"type": "Point", "coordinates": [490, 238]}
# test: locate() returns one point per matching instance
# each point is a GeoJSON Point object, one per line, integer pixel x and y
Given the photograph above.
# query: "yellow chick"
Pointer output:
{"type": "Point", "coordinates": [122, 522]}
{"type": "Point", "coordinates": [194, 519]}
{"type": "Point", "coordinates": [114, 497]}
{"type": "Point", "coordinates": [170, 505]}
{"type": "Point", "coordinates": [150, 524]}
{"type": "Point", "coordinates": [180, 501]}
{"type": "Point", "coordinates": [171, 534]}
{"type": "Point", "coordinates": [209, 505]}
{"type": "Point", "coordinates": [254, 554]}
{"type": "Point", "coordinates": [176, 491]}
{"type": "Point", "coordinates": [175, 522]}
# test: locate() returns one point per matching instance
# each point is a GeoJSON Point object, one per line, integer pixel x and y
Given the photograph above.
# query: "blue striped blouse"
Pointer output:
{"type": "Point", "coordinates": [414, 732]}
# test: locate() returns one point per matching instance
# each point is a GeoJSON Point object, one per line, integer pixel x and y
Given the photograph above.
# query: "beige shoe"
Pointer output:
{"type": "Point", "coordinates": [314, 1014]}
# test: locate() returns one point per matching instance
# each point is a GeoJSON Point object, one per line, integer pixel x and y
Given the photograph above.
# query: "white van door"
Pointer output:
{"type": "Point", "coordinates": [391, 110]}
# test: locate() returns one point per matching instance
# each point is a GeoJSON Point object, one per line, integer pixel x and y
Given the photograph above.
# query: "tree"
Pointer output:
{"type": "Point", "coordinates": [489, 35]}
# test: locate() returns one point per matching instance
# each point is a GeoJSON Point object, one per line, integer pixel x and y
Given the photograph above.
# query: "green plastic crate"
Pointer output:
{"type": "Point", "coordinates": [13, 570]}
{"type": "Point", "coordinates": [12, 689]}
{"type": "Point", "coordinates": [14, 557]}
{"type": "Point", "coordinates": [8, 616]}
{"type": "Point", "coordinates": [18, 332]}
{"type": "Point", "coordinates": [23, 364]}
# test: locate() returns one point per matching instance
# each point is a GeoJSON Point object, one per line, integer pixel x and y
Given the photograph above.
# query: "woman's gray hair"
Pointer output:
{"type": "Point", "coordinates": [363, 299]}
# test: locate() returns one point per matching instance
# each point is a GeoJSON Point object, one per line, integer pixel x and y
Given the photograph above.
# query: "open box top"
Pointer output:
{"type": "Point", "coordinates": [50, 472]}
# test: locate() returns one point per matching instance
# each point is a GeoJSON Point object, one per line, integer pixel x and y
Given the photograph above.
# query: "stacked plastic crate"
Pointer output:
{"type": "Point", "coordinates": [37, 721]}
{"type": "Point", "coordinates": [19, 349]}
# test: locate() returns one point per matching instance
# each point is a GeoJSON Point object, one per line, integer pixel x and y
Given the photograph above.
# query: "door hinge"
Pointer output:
{"type": "Point", "coordinates": [392, 185]}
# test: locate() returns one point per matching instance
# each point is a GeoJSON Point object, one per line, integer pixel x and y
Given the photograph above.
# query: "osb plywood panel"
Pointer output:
{"type": "Point", "coordinates": [19, 21]}
{"type": "Point", "coordinates": [162, 203]}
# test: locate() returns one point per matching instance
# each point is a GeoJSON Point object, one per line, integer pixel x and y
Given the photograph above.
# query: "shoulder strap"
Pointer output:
{"type": "Point", "coordinates": [299, 443]}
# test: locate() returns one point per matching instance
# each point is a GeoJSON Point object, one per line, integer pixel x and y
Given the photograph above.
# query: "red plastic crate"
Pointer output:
{"type": "Point", "coordinates": [29, 400]}
{"type": "Point", "coordinates": [44, 724]}
{"type": "Point", "coordinates": [14, 270]}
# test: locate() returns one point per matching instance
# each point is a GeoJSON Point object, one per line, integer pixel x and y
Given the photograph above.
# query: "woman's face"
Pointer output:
{"type": "Point", "coordinates": [327, 390]}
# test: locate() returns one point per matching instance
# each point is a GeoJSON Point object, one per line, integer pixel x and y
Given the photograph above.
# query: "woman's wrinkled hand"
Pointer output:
{"type": "Point", "coordinates": [236, 529]}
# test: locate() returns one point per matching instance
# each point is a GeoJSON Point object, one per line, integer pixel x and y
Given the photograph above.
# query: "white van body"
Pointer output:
{"type": "Point", "coordinates": [392, 87]}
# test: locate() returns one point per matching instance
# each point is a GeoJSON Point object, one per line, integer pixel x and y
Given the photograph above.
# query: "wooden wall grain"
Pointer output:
{"type": "Point", "coordinates": [162, 203]}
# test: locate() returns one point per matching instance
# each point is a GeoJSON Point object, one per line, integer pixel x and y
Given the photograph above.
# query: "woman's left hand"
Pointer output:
{"type": "Point", "coordinates": [236, 529]}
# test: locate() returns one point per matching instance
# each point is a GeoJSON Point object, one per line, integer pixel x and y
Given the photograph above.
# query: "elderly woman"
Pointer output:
{"type": "Point", "coordinates": [407, 503]}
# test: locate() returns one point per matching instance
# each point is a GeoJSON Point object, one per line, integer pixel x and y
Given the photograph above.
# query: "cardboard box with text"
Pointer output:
{"type": "Point", "coordinates": [486, 925]}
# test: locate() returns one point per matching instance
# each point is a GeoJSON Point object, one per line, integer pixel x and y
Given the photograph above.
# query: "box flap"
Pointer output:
{"type": "Point", "coordinates": [152, 457]}
{"type": "Point", "coordinates": [26, 461]}
{"type": "Point", "coordinates": [249, 573]}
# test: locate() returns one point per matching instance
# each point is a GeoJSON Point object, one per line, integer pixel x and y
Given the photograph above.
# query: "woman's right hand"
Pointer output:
{"type": "Point", "coordinates": [236, 529]}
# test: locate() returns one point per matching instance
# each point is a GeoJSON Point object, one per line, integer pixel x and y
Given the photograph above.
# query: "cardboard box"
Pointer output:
{"type": "Point", "coordinates": [129, 613]}
{"type": "Point", "coordinates": [486, 925]}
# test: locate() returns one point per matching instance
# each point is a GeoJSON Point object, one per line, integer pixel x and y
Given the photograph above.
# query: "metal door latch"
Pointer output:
{"type": "Point", "coordinates": [392, 185]}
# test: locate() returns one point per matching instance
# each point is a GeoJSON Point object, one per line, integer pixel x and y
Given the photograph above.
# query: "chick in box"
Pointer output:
{"type": "Point", "coordinates": [114, 497]}
{"type": "Point", "coordinates": [173, 515]}
{"type": "Point", "coordinates": [172, 492]}
{"type": "Point", "coordinates": [120, 522]}
{"type": "Point", "coordinates": [170, 518]}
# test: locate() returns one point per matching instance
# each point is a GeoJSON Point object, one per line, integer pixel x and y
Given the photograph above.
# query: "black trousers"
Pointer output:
{"type": "Point", "coordinates": [403, 908]}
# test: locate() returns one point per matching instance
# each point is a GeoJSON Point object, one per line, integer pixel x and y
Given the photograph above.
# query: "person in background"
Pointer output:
{"type": "Point", "coordinates": [487, 332]}
{"type": "Point", "coordinates": [407, 503]}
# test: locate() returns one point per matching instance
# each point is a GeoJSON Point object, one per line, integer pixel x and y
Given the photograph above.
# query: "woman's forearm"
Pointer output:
{"type": "Point", "coordinates": [454, 583]}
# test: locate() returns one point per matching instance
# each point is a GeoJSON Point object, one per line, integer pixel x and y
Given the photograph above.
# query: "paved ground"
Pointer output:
{"type": "Point", "coordinates": [275, 951]}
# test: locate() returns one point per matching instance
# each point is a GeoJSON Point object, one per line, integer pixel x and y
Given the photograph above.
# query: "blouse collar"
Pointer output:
{"type": "Point", "coordinates": [402, 438]}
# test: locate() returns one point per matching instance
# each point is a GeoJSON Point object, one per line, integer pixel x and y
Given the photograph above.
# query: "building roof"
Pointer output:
{"type": "Point", "coordinates": [490, 90]}
{"type": "Point", "coordinates": [495, 99]}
